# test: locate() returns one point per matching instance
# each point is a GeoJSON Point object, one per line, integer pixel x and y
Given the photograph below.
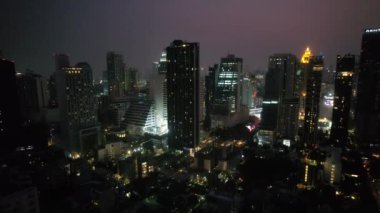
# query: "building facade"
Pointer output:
{"type": "Point", "coordinates": [280, 104]}
{"type": "Point", "coordinates": [313, 92]}
{"type": "Point", "coordinates": [229, 106]}
{"type": "Point", "coordinates": [77, 103]}
{"type": "Point", "coordinates": [227, 91]}
{"type": "Point", "coordinates": [116, 74]}
{"type": "Point", "coordinates": [368, 98]}
{"type": "Point", "coordinates": [345, 69]}
{"type": "Point", "coordinates": [210, 81]}
{"type": "Point", "coordinates": [301, 82]}
{"type": "Point", "coordinates": [183, 94]}
{"type": "Point", "coordinates": [158, 93]}
{"type": "Point", "coordinates": [9, 121]}
{"type": "Point", "coordinates": [33, 95]}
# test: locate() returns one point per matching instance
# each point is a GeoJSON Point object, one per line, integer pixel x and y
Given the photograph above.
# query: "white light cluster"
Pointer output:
{"type": "Point", "coordinates": [270, 102]}
{"type": "Point", "coordinates": [372, 30]}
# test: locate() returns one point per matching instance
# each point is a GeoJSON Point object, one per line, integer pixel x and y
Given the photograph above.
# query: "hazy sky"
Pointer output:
{"type": "Point", "coordinates": [31, 31]}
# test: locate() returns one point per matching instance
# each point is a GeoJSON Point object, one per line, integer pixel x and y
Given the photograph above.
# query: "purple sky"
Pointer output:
{"type": "Point", "coordinates": [31, 31]}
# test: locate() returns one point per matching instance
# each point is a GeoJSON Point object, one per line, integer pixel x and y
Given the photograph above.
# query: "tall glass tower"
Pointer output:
{"type": "Point", "coordinates": [227, 95]}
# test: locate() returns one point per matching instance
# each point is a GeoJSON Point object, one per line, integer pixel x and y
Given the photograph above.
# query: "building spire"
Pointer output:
{"type": "Point", "coordinates": [306, 56]}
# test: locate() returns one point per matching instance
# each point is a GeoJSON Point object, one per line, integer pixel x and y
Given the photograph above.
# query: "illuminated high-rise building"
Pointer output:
{"type": "Point", "coordinates": [279, 104]}
{"type": "Point", "coordinates": [227, 91]}
{"type": "Point", "coordinates": [313, 91]}
{"type": "Point", "coordinates": [158, 93]}
{"type": "Point", "coordinates": [140, 117]}
{"type": "Point", "coordinates": [301, 81]}
{"type": "Point", "coordinates": [228, 106]}
{"type": "Point", "coordinates": [368, 97]}
{"type": "Point", "coordinates": [183, 94]}
{"type": "Point", "coordinates": [77, 103]}
{"type": "Point", "coordinates": [345, 68]}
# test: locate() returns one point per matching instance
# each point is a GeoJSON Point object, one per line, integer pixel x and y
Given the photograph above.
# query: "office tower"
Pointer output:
{"type": "Point", "coordinates": [227, 107]}
{"type": "Point", "coordinates": [246, 92]}
{"type": "Point", "coordinates": [202, 91]}
{"type": "Point", "coordinates": [116, 75]}
{"type": "Point", "coordinates": [279, 105]}
{"type": "Point", "coordinates": [8, 107]}
{"type": "Point", "coordinates": [368, 97]}
{"type": "Point", "coordinates": [345, 68]}
{"type": "Point", "coordinates": [301, 81]}
{"type": "Point", "coordinates": [183, 94]}
{"type": "Point", "coordinates": [162, 70]}
{"type": "Point", "coordinates": [313, 91]}
{"type": "Point", "coordinates": [33, 95]}
{"type": "Point", "coordinates": [227, 91]}
{"type": "Point", "coordinates": [78, 108]}
{"type": "Point", "coordinates": [158, 93]}
{"type": "Point", "coordinates": [288, 118]}
{"type": "Point", "coordinates": [210, 85]}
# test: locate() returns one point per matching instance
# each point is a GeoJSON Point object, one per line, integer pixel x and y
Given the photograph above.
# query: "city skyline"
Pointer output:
{"type": "Point", "coordinates": [200, 107]}
{"type": "Point", "coordinates": [140, 30]}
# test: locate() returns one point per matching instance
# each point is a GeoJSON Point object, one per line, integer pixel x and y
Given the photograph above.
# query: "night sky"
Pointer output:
{"type": "Point", "coordinates": [32, 30]}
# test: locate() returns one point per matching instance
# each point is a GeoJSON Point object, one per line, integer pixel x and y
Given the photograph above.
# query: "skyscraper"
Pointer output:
{"type": "Point", "coordinates": [227, 94]}
{"type": "Point", "coordinates": [183, 94]}
{"type": "Point", "coordinates": [246, 91]}
{"type": "Point", "coordinates": [116, 74]}
{"type": "Point", "coordinates": [345, 67]}
{"type": "Point", "coordinates": [313, 90]}
{"type": "Point", "coordinates": [301, 82]}
{"type": "Point", "coordinates": [368, 98]}
{"type": "Point", "coordinates": [210, 81]}
{"type": "Point", "coordinates": [158, 93]}
{"type": "Point", "coordinates": [228, 108]}
{"type": "Point", "coordinates": [279, 105]}
{"type": "Point", "coordinates": [288, 118]}
{"type": "Point", "coordinates": [77, 105]}
{"type": "Point", "coordinates": [8, 107]}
